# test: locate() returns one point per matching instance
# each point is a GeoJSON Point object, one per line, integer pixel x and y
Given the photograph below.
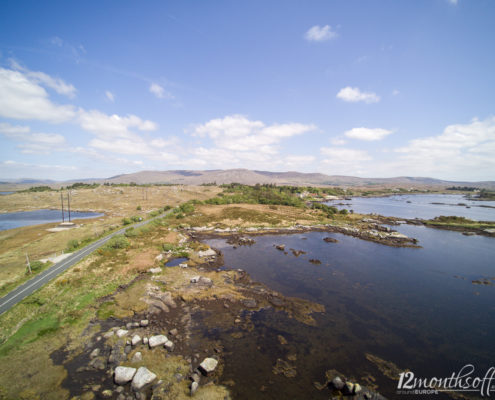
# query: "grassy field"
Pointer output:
{"type": "Point", "coordinates": [115, 202]}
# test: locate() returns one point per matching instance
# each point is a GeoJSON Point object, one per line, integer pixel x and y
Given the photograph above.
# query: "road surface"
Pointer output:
{"type": "Point", "coordinates": [24, 290]}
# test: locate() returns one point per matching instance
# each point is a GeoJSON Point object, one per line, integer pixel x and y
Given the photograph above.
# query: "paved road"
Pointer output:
{"type": "Point", "coordinates": [19, 293]}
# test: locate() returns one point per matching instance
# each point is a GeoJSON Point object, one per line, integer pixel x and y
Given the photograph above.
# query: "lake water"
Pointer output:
{"type": "Point", "coordinates": [26, 218]}
{"type": "Point", "coordinates": [417, 308]}
{"type": "Point", "coordinates": [5, 193]}
{"type": "Point", "coordinates": [420, 206]}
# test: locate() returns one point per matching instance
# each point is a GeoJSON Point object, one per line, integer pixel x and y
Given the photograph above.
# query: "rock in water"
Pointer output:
{"type": "Point", "coordinates": [142, 378]}
{"type": "Point", "coordinates": [157, 340]}
{"type": "Point", "coordinates": [124, 375]}
{"type": "Point", "coordinates": [338, 383]}
{"type": "Point", "coordinates": [208, 365]}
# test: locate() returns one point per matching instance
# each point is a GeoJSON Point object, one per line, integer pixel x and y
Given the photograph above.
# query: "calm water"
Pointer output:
{"type": "Point", "coordinates": [5, 193]}
{"type": "Point", "coordinates": [400, 304]}
{"type": "Point", "coordinates": [26, 218]}
{"type": "Point", "coordinates": [421, 206]}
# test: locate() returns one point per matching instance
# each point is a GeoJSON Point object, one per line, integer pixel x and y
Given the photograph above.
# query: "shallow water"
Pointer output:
{"type": "Point", "coordinates": [5, 193]}
{"type": "Point", "coordinates": [176, 261]}
{"type": "Point", "coordinates": [401, 304]}
{"type": "Point", "coordinates": [420, 206]}
{"type": "Point", "coordinates": [27, 218]}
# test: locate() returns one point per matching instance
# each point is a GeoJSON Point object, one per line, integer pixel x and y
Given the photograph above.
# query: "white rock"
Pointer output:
{"type": "Point", "coordinates": [95, 353]}
{"type": "Point", "coordinates": [108, 334]}
{"type": "Point", "coordinates": [183, 265]}
{"type": "Point", "coordinates": [124, 375]}
{"type": "Point", "coordinates": [194, 387]}
{"type": "Point", "coordinates": [208, 365]}
{"type": "Point", "coordinates": [143, 377]}
{"type": "Point", "coordinates": [156, 270]}
{"type": "Point", "coordinates": [122, 333]}
{"type": "Point", "coordinates": [137, 357]}
{"type": "Point", "coordinates": [159, 257]}
{"type": "Point", "coordinates": [157, 340]}
{"type": "Point", "coordinates": [207, 253]}
{"type": "Point", "coordinates": [145, 340]}
{"type": "Point", "coordinates": [135, 340]}
{"type": "Point", "coordinates": [169, 345]}
{"type": "Point", "coordinates": [195, 279]}
{"type": "Point", "coordinates": [144, 322]}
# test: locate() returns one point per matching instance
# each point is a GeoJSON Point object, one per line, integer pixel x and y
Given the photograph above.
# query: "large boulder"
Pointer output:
{"type": "Point", "coordinates": [122, 333]}
{"type": "Point", "coordinates": [142, 378]}
{"type": "Point", "coordinates": [208, 365]}
{"type": "Point", "coordinates": [207, 253]}
{"type": "Point", "coordinates": [124, 375]}
{"type": "Point", "coordinates": [158, 340]}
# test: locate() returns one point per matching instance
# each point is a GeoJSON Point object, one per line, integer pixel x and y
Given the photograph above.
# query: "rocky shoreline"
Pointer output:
{"type": "Point", "coordinates": [373, 232]}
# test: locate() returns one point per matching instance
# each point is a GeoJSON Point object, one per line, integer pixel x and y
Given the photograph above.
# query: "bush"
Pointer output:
{"type": "Point", "coordinates": [126, 221]}
{"type": "Point", "coordinates": [343, 211]}
{"type": "Point", "coordinates": [168, 246]}
{"type": "Point", "coordinates": [136, 218]}
{"type": "Point", "coordinates": [138, 208]}
{"type": "Point", "coordinates": [118, 242]}
{"type": "Point", "coordinates": [130, 232]}
{"type": "Point", "coordinates": [72, 245]}
{"type": "Point", "coordinates": [36, 265]}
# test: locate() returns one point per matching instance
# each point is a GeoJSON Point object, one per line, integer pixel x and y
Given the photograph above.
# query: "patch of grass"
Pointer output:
{"type": "Point", "coordinates": [455, 221]}
{"type": "Point", "coordinates": [29, 332]}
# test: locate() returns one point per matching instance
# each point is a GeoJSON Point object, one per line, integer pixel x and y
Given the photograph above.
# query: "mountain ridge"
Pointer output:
{"type": "Point", "coordinates": [251, 177]}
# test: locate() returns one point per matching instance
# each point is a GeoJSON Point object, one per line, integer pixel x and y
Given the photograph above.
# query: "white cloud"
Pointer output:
{"type": "Point", "coordinates": [345, 161]}
{"type": "Point", "coordinates": [237, 133]}
{"type": "Point", "coordinates": [461, 151]}
{"type": "Point", "coordinates": [122, 146]}
{"type": "Point", "coordinates": [160, 92]}
{"type": "Point", "coordinates": [110, 126]}
{"type": "Point", "coordinates": [21, 97]}
{"type": "Point", "coordinates": [320, 33]}
{"type": "Point", "coordinates": [395, 92]}
{"type": "Point", "coordinates": [32, 142]}
{"type": "Point", "coordinates": [57, 84]}
{"type": "Point", "coordinates": [110, 96]}
{"type": "Point", "coordinates": [293, 161]}
{"type": "Point", "coordinates": [353, 95]}
{"type": "Point", "coordinates": [367, 134]}
{"type": "Point", "coordinates": [337, 141]}
{"type": "Point", "coordinates": [344, 155]}
{"type": "Point", "coordinates": [240, 142]}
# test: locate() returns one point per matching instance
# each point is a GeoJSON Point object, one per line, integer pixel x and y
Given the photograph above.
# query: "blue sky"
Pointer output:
{"type": "Point", "coordinates": [364, 88]}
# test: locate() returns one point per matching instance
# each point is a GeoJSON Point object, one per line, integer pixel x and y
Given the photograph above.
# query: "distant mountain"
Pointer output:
{"type": "Point", "coordinates": [251, 177]}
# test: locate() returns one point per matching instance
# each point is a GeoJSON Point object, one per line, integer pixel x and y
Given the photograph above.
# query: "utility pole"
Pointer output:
{"type": "Point", "coordinates": [62, 200]}
{"type": "Point", "coordinates": [68, 202]}
{"type": "Point", "coordinates": [28, 264]}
